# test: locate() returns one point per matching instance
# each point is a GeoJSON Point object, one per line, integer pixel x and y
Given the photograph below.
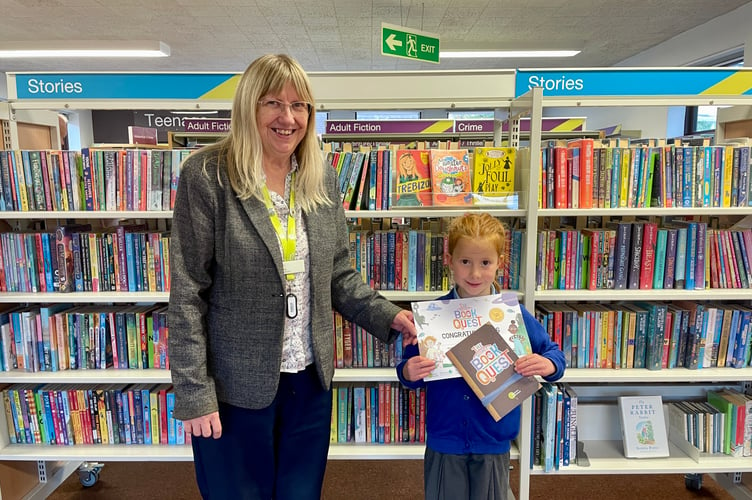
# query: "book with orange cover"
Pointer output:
{"type": "Point", "coordinates": [450, 177]}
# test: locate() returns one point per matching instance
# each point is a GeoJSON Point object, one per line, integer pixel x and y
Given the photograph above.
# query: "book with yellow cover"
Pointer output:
{"type": "Point", "coordinates": [493, 171]}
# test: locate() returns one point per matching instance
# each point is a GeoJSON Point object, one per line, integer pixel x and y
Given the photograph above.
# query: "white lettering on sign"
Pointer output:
{"type": "Point", "coordinates": [469, 127]}
{"type": "Point", "coordinates": [38, 86]}
{"type": "Point", "coordinates": [561, 83]}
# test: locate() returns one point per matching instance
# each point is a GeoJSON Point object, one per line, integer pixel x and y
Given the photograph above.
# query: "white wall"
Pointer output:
{"type": "Point", "coordinates": [714, 37]}
{"type": "Point", "coordinates": [80, 129]}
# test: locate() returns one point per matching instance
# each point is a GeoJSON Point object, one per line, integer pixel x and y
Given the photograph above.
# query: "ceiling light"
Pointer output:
{"type": "Point", "coordinates": [502, 54]}
{"type": "Point", "coordinates": [84, 48]}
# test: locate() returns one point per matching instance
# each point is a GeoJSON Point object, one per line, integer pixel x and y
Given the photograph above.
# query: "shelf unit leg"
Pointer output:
{"type": "Point", "coordinates": [50, 477]}
{"type": "Point", "coordinates": [732, 482]}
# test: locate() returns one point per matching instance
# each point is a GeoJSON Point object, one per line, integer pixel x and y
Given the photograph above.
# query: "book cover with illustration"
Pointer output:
{"type": "Point", "coordinates": [412, 178]}
{"type": "Point", "coordinates": [442, 324]}
{"type": "Point", "coordinates": [493, 173]}
{"type": "Point", "coordinates": [486, 362]}
{"type": "Point", "coordinates": [643, 426]}
{"type": "Point", "coordinates": [450, 177]}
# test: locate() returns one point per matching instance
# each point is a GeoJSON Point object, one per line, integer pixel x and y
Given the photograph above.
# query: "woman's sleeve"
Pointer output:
{"type": "Point", "coordinates": [191, 258]}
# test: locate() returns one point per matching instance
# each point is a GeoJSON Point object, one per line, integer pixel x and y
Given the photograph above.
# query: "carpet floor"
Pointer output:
{"type": "Point", "coordinates": [376, 480]}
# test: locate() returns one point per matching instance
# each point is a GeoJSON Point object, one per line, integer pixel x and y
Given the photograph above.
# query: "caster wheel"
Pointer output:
{"type": "Point", "coordinates": [693, 482]}
{"type": "Point", "coordinates": [89, 479]}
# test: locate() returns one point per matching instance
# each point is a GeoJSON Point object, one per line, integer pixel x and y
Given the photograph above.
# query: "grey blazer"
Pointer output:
{"type": "Point", "coordinates": [227, 305]}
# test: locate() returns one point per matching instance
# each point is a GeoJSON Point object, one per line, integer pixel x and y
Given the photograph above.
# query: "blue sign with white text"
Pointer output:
{"type": "Point", "coordinates": [636, 82]}
{"type": "Point", "coordinates": [117, 85]}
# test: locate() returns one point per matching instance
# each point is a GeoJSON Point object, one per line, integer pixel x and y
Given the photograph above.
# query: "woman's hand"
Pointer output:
{"type": "Point", "coordinates": [403, 322]}
{"type": "Point", "coordinates": [206, 426]}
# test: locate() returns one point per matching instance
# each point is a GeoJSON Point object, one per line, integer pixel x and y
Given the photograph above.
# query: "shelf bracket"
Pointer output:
{"type": "Point", "coordinates": [42, 471]}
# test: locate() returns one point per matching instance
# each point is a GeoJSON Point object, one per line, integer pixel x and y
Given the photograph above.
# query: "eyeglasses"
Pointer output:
{"type": "Point", "coordinates": [298, 108]}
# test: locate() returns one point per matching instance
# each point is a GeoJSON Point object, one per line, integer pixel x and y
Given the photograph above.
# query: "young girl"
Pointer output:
{"type": "Point", "coordinates": [467, 452]}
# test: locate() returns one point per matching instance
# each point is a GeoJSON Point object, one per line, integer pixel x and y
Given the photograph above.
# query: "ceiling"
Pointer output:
{"type": "Point", "coordinates": [345, 35]}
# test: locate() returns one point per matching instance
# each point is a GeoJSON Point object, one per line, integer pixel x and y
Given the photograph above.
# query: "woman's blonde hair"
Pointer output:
{"type": "Point", "coordinates": [240, 153]}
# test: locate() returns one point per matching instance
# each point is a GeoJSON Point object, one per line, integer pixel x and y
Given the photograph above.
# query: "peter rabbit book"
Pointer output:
{"type": "Point", "coordinates": [486, 362]}
{"type": "Point", "coordinates": [442, 324]}
{"type": "Point", "coordinates": [412, 178]}
{"type": "Point", "coordinates": [643, 426]}
{"type": "Point", "coordinates": [450, 177]}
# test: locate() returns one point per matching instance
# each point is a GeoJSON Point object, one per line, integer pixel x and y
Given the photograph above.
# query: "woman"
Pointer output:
{"type": "Point", "coordinates": [259, 259]}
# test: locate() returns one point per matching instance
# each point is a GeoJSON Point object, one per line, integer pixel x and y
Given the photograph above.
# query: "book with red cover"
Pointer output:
{"type": "Point", "coordinates": [486, 362]}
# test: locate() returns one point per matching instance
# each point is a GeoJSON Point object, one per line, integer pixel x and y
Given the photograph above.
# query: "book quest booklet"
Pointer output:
{"type": "Point", "coordinates": [442, 324]}
{"type": "Point", "coordinates": [643, 426]}
{"type": "Point", "coordinates": [486, 362]}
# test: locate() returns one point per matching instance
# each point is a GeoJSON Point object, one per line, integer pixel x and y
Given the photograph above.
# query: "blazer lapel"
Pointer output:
{"type": "Point", "coordinates": [259, 216]}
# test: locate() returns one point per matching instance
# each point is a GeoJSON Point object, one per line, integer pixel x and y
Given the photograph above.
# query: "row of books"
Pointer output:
{"type": "Point", "coordinates": [66, 416]}
{"type": "Point", "coordinates": [588, 173]}
{"type": "Point", "coordinates": [92, 179]}
{"type": "Point", "coordinates": [127, 258]}
{"type": "Point", "coordinates": [378, 413]}
{"type": "Point", "coordinates": [644, 255]}
{"type": "Point", "coordinates": [652, 335]}
{"type": "Point", "coordinates": [416, 259]}
{"type": "Point", "coordinates": [356, 348]}
{"type": "Point", "coordinates": [90, 337]}
{"type": "Point", "coordinates": [735, 409]}
{"type": "Point", "coordinates": [554, 427]}
{"type": "Point", "coordinates": [382, 178]}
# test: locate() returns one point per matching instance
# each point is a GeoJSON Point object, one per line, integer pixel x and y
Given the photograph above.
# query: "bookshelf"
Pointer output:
{"type": "Point", "coordinates": [441, 89]}
{"type": "Point", "coordinates": [484, 94]}
{"type": "Point", "coordinates": [598, 388]}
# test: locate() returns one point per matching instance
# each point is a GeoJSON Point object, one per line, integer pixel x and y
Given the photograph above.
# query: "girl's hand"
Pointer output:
{"type": "Point", "coordinates": [417, 368]}
{"type": "Point", "coordinates": [534, 364]}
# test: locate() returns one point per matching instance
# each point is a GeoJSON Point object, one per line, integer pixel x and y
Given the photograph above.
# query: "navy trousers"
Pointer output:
{"type": "Point", "coordinates": [276, 453]}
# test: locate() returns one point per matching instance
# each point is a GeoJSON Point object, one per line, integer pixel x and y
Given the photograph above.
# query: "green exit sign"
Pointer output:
{"type": "Point", "coordinates": [408, 43]}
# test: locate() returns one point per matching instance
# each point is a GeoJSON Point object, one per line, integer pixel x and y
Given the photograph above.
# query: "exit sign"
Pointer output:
{"type": "Point", "coordinates": [408, 43]}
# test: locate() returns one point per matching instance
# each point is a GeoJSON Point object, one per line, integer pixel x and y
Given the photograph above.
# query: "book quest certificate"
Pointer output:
{"type": "Point", "coordinates": [442, 324]}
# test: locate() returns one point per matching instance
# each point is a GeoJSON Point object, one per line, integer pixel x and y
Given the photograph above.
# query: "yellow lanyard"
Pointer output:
{"type": "Point", "coordinates": [287, 241]}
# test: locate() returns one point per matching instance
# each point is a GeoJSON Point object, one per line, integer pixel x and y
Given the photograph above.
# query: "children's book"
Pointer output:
{"type": "Point", "coordinates": [442, 324]}
{"type": "Point", "coordinates": [643, 426]}
{"type": "Point", "coordinates": [486, 362]}
{"type": "Point", "coordinates": [450, 177]}
{"type": "Point", "coordinates": [493, 176]}
{"type": "Point", "coordinates": [412, 178]}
